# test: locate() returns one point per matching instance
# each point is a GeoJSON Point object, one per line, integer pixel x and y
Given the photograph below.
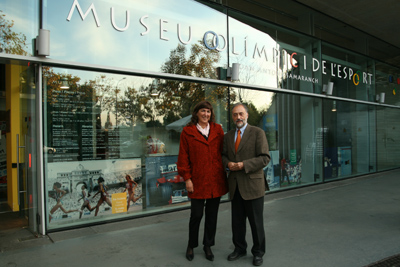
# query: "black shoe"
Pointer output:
{"type": "Point", "coordinates": [209, 254]}
{"type": "Point", "coordinates": [257, 260]}
{"type": "Point", "coordinates": [189, 253]}
{"type": "Point", "coordinates": [235, 255]}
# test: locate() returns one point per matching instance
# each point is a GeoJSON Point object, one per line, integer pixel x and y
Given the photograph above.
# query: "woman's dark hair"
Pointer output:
{"type": "Point", "coordinates": [57, 184]}
{"type": "Point", "coordinates": [203, 104]}
{"type": "Point", "coordinates": [100, 180]}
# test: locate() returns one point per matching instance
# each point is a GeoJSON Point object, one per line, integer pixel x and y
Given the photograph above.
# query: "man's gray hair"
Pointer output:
{"type": "Point", "coordinates": [241, 104]}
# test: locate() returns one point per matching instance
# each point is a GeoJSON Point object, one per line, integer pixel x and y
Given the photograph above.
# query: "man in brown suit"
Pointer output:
{"type": "Point", "coordinates": [246, 181]}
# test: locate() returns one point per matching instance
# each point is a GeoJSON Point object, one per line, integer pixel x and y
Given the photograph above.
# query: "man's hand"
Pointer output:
{"type": "Point", "coordinates": [235, 166]}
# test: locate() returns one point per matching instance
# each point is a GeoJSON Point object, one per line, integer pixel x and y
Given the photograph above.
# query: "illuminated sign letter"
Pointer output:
{"type": "Point", "coordinates": [339, 71]}
{"type": "Point", "coordinates": [144, 25]}
{"type": "Point", "coordinates": [284, 58]}
{"type": "Point", "coordinates": [259, 52]}
{"type": "Point", "coordinates": [323, 67]}
{"type": "Point", "coordinates": [291, 60]}
{"type": "Point", "coordinates": [245, 46]}
{"type": "Point", "coordinates": [113, 21]}
{"type": "Point", "coordinates": [233, 47]}
{"type": "Point", "coordinates": [215, 40]}
{"type": "Point", "coordinates": [83, 16]}
{"type": "Point", "coordinates": [162, 30]}
{"type": "Point", "coordinates": [350, 73]}
{"type": "Point", "coordinates": [315, 64]}
{"type": "Point", "coordinates": [276, 54]}
{"type": "Point", "coordinates": [365, 78]}
{"type": "Point", "coordinates": [179, 35]}
{"type": "Point", "coordinates": [356, 78]}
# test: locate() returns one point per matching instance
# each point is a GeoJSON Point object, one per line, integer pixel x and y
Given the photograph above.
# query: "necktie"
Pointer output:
{"type": "Point", "coordinates": [238, 138]}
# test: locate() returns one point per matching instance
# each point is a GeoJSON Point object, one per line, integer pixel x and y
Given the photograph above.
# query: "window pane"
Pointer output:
{"type": "Point", "coordinates": [101, 126]}
{"type": "Point", "coordinates": [135, 34]}
{"type": "Point", "coordinates": [348, 139]}
{"type": "Point", "coordinates": [387, 138]}
{"type": "Point", "coordinates": [18, 26]}
{"type": "Point", "coordinates": [291, 124]}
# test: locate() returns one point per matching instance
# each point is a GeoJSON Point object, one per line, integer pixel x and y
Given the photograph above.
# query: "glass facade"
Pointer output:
{"type": "Point", "coordinates": [387, 138]}
{"type": "Point", "coordinates": [135, 35]}
{"type": "Point", "coordinates": [348, 139]}
{"type": "Point", "coordinates": [110, 126]}
{"type": "Point", "coordinates": [19, 22]}
{"type": "Point", "coordinates": [122, 81]}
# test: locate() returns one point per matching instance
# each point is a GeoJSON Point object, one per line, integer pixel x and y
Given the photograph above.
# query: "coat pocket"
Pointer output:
{"type": "Point", "coordinates": [256, 175]}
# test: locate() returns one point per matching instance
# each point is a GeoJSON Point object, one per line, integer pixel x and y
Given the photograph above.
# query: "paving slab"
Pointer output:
{"type": "Point", "coordinates": [352, 222]}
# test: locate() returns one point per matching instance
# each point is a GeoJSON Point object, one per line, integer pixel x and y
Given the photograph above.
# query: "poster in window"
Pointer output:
{"type": "Point", "coordinates": [86, 189]}
{"type": "Point", "coordinates": [164, 186]}
{"type": "Point", "coordinates": [272, 171]}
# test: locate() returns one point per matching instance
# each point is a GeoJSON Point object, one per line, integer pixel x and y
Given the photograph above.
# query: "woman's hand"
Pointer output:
{"type": "Point", "coordinates": [189, 185]}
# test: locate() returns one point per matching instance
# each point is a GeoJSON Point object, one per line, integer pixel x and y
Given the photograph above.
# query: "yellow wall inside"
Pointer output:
{"type": "Point", "coordinates": [12, 104]}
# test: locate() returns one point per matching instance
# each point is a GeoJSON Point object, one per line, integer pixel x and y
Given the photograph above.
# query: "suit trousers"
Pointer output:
{"type": "Point", "coordinates": [253, 210]}
{"type": "Point", "coordinates": [211, 207]}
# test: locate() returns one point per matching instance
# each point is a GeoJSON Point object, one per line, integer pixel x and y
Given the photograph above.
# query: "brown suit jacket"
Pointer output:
{"type": "Point", "coordinates": [253, 151]}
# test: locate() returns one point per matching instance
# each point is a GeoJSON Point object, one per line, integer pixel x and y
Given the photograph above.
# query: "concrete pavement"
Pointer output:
{"type": "Point", "coordinates": [352, 222]}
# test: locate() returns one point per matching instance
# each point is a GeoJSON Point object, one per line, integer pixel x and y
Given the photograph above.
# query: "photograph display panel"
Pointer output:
{"type": "Point", "coordinates": [164, 186]}
{"type": "Point", "coordinates": [85, 190]}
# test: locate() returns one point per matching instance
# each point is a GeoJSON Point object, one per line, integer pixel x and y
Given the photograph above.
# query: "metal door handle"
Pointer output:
{"type": "Point", "coordinates": [18, 176]}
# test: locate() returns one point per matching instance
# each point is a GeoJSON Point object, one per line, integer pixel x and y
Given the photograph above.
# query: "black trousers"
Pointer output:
{"type": "Point", "coordinates": [253, 210]}
{"type": "Point", "coordinates": [211, 207]}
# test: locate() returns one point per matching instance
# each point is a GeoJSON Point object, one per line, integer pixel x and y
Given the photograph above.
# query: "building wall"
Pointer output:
{"type": "Point", "coordinates": [123, 80]}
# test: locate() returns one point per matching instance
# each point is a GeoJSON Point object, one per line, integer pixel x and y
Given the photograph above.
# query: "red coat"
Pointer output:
{"type": "Point", "coordinates": [200, 160]}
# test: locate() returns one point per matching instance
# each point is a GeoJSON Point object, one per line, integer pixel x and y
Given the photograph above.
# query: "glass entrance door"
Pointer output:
{"type": "Point", "coordinates": [27, 170]}
{"type": "Point", "coordinates": [3, 143]}
{"type": "Point", "coordinates": [18, 133]}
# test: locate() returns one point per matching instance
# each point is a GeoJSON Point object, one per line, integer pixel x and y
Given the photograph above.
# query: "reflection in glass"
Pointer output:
{"type": "Point", "coordinates": [348, 139]}
{"type": "Point", "coordinates": [387, 138]}
{"type": "Point", "coordinates": [142, 40]}
{"type": "Point", "coordinates": [16, 33]}
{"type": "Point", "coordinates": [122, 112]}
{"type": "Point", "coordinates": [102, 120]}
{"type": "Point", "coordinates": [291, 124]}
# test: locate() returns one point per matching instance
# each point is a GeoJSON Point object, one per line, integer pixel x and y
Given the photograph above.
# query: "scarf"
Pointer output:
{"type": "Point", "coordinates": [204, 131]}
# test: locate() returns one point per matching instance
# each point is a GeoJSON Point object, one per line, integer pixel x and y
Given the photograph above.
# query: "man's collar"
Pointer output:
{"type": "Point", "coordinates": [242, 129]}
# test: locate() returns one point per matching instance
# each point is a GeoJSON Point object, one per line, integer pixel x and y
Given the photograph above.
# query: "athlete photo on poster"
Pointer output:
{"type": "Point", "coordinates": [87, 189]}
{"type": "Point", "coordinates": [164, 185]}
{"type": "Point", "coordinates": [272, 171]}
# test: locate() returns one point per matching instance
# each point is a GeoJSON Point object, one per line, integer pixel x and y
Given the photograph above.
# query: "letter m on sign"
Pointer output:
{"type": "Point", "coordinates": [260, 52]}
{"type": "Point", "coordinates": [83, 16]}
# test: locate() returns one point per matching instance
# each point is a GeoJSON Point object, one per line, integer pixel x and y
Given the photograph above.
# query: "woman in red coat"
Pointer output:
{"type": "Point", "coordinates": [200, 165]}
